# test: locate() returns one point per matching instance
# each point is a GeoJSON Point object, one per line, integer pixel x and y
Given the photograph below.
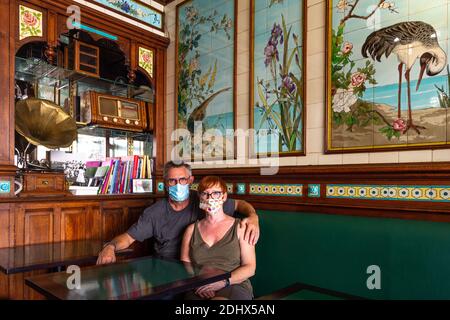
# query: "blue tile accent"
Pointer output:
{"type": "Point", "coordinates": [240, 188]}
{"type": "Point", "coordinates": [5, 187]}
{"type": "Point", "coordinates": [160, 186]}
{"type": "Point", "coordinates": [314, 190]}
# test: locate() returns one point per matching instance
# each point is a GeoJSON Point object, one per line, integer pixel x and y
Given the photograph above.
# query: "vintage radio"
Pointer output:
{"type": "Point", "coordinates": [83, 58]}
{"type": "Point", "coordinates": [113, 112]}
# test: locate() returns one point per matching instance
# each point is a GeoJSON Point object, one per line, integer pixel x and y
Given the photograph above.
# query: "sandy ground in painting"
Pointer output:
{"type": "Point", "coordinates": [435, 120]}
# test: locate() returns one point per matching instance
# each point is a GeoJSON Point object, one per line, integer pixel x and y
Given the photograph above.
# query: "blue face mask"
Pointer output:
{"type": "Point", "coordinates": [179, 192]}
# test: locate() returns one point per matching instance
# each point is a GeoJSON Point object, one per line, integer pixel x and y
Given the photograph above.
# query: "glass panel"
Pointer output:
{"type": "Point", "coordinates": [118, 146]}
{"type": "Point", "coordinates": [93, 146]}
{"type": "Point", "coordinates": [129, 110]}
{"type": "Point", "coordinates": [108, 107]}
{"type": "Point", "coordinates": [32, 70]}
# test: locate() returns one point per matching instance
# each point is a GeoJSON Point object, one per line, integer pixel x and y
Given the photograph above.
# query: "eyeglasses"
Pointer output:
{"type": "Point", "coordinates": [173, 182]}
{"type": "Point", "coordinates": [214, 195]}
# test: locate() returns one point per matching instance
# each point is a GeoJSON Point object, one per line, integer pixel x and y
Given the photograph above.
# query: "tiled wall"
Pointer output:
{"type": "Point", "coordinates": [315, 95]}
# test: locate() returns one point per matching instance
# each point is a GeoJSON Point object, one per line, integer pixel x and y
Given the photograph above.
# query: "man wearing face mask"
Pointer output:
{"type": "Point", "coordinates": [167, 219]}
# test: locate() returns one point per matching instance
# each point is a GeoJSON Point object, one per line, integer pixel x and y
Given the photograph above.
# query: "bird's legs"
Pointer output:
{"type": "Point", "coordinates": [400, 75]}
{"type": "Point", "coordinates": [410, 124]}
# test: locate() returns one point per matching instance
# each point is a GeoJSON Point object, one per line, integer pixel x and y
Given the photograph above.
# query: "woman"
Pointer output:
{"type": "Point", "coordinates": [218, 241]}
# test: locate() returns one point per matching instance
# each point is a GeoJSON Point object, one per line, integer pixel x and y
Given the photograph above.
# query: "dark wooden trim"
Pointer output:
{"type": "Point", "coordinates": [251, 151]}
{"type": "Point", "coordinates": [96, 198]}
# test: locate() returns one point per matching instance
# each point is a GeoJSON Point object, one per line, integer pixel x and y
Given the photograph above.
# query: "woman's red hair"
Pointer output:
{"type": "Point", "coordinates": [211, 181]}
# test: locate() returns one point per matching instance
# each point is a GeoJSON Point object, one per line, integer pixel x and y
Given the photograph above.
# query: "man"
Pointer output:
{"type": "Point", "coordinates": [167, 219]}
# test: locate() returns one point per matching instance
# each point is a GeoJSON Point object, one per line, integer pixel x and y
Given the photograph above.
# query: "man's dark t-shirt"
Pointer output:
{"type": "Point", "coordinates": [167, 226]}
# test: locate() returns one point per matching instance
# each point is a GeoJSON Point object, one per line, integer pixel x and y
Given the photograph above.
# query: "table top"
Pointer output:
{"type": "Point", "coordinates": [51, 255]}
{"type": "Point", "coordinates": [142, 278]}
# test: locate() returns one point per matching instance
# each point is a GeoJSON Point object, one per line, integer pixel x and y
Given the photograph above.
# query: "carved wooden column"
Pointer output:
{"type": "Point", "coordinates": [7, 28]}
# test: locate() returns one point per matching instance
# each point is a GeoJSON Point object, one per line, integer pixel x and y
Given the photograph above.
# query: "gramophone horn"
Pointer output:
{"type": "Point", "coordinates": [42, 122]}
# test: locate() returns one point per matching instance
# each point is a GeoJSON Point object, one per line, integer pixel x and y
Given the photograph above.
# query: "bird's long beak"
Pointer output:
{"type": "Point", "coordinates": [423, 66]}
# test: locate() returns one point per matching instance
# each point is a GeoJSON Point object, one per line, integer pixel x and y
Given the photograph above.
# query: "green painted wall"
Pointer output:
{"type": "Point", "coordinates": [333, 252]}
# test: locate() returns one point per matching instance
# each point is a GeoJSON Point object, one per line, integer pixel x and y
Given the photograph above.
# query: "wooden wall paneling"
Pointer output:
{"type": "Point", "coordinates": [7, 12]}
{"type": "Point", "coordinates": [114, 222]}
{"type": "Point", "coordinates": [74, 223]}
{"type": "Point", "coordinates": [34, 223]}
{"type": "Point", "coordinates": [6, 225]}
{"type": "Point", "coordinates": [5, 241]}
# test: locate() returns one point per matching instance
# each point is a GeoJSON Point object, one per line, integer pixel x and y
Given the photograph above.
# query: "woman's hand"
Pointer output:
{"type": "Point", "coordinates": [209, 291]}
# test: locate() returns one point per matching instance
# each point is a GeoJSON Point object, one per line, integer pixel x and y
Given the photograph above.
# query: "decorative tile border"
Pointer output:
{"type": "Point", "coordinates": [230, 187]}
{"type": "Point", "coordinates": [288, 190]}
{"type": "Point", "coordinates": [314, 190]}
{"type": "Point", "coordinates": [389, 192]}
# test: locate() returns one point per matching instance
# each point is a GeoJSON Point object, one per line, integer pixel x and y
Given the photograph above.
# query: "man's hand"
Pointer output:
{"type": "Point", "coordinates": [107, 255]}
{"type": "Point", "coordinates": [251, 225]}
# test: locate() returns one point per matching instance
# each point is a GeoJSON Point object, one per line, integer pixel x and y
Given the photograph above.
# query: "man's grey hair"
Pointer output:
{"type": "Point", "coordinates": [172, 165]}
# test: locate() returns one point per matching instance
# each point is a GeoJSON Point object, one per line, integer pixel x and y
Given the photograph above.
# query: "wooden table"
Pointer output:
{"type": "Point", "coordinates": [142, 278]}
{"type": "Point", "coordinates": [51, 255]}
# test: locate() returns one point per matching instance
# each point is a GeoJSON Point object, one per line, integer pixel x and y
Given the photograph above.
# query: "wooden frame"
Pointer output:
{"type": "Point", "coordinates": [252, 153]}
{"type": "Point", "coordinates": [163, 17]}
{"type": "Point", "coordinates": [329, 149]}
{"type": "Point", "coordinates": [234, 73]}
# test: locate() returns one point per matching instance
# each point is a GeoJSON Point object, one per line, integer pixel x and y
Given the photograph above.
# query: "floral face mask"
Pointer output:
{"type": "Point", "coordinates": [211, 206]}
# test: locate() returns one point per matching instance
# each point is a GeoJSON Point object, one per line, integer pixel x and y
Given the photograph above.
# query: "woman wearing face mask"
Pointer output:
{"type": "Point", "coordinates": [218, 241]}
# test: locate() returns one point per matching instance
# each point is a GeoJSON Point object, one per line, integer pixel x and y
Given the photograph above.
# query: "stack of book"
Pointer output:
{"type": "Point", "coordinates": [121, 175]}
